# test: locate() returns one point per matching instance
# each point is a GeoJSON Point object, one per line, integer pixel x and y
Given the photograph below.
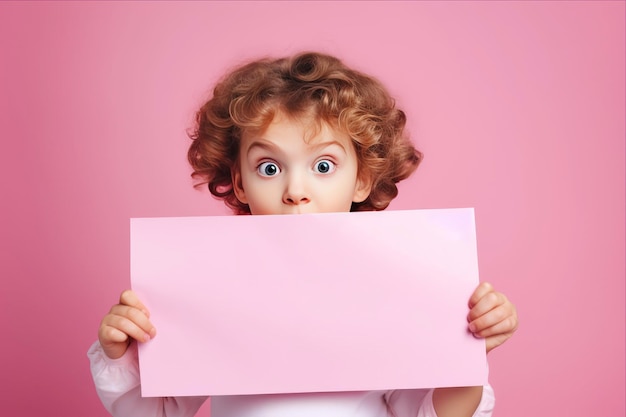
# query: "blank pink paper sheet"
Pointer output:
{"type": "Point", "coordinates": [307, 303]}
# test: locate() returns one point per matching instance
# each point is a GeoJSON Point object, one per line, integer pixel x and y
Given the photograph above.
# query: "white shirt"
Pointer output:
{"type": "Point", "coordinates": [118, 386]}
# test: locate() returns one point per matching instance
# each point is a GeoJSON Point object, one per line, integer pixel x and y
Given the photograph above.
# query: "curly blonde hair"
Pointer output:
{"type": "Point", "coordinates": [305, 85]}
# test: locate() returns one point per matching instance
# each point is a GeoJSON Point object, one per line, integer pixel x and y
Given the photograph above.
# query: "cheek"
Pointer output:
{"type": "Point", "coordinates": [260, 193]}
{"type": "Point", "coordinates": [340, 194]}
{"type": "Point", "coordinates": [252, 183]}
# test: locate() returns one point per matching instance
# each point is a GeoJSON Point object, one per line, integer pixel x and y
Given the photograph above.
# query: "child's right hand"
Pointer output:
{"type": "Point", "coordinates": [127, 320]}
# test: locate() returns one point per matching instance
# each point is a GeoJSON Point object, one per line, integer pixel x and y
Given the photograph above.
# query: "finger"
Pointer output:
{"type": "Point", "coordinates": [490, 318]}
{"type": "Point", "coordinates": [112, 324]}
{"type": "Point", "coordinates": [113, 348]}
{"type": "Point", "coordinates": [134, 315]}
{"type": "Point", "coordinates": [495, 341]}
{"type": "Point", "coordinates": [508, 325]}
{"type": "Point", "coordinates": [129, 298]}
{"type": "Point", "coordinates": [110, 335]}
{"type": "Point", "coordinates": [487, 302]}
{"type": "Point", "coordinates": [479, 293]}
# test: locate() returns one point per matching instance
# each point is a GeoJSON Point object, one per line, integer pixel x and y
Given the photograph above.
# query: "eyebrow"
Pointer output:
{"type": "Point", "coordinates": [269, 146]}
{"type": "Point", "coordinates": [262, 144]}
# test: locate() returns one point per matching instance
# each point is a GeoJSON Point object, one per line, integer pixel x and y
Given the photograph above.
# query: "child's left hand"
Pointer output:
{"type": "Point", "coordinates": [491, 316]}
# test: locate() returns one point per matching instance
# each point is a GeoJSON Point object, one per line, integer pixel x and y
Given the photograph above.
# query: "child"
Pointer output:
{"type": "Point", "coordinates": [303, 134]}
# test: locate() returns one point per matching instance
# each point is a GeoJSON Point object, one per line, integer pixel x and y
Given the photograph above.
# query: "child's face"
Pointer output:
{"type": "Point", "coordinates": [285, 170]}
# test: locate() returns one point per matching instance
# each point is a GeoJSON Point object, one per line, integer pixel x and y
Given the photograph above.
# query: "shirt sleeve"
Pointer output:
{"type": "Point", "coordinates": [419, 403]}
{"type": "Point", "coordinates": [118, 386]}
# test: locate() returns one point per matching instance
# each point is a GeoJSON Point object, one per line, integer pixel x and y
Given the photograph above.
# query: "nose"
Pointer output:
{"type": "Point", "coordinates": [296, 190]}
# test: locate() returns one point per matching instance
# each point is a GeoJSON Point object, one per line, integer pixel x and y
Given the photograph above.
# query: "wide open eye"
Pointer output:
{"type": "Point", "coordinates": [268, 169]}
{"type": "Point", "coordinates": [324, 166]}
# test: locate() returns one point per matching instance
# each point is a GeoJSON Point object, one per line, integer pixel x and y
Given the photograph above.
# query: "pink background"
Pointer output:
{"type": "Point", "coordinates": [518, 106]}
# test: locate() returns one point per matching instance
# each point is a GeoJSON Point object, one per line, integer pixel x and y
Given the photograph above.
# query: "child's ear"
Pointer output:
{"type": "Point", "coordinates": [363, 188]}
{"type": "Point", "coordinates": [238, 186]}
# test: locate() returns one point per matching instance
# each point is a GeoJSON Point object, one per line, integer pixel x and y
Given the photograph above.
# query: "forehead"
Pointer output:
{"type": "Point", "coordinates": [308, 129]}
